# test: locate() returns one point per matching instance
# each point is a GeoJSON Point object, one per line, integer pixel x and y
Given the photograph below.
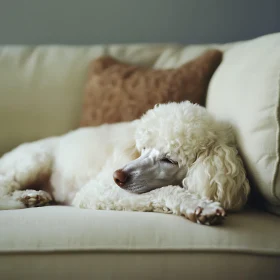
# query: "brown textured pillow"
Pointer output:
{"type": "Point", "coordinates": [117, 92]}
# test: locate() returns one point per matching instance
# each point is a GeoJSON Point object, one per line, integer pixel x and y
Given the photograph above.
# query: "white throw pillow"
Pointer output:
{"type": "Point", "coordinates": [245, 91]}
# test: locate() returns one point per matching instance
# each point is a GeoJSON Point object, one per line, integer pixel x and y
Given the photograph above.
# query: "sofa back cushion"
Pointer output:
{"type": "Point", "coordinates": [245, 91]}
{"type": "Point", "coordinates": [41, 87]}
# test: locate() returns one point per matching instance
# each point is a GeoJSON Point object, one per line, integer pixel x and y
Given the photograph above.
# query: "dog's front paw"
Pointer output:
{"type": "Point", "coordinates": [211, 213]}
{"type": "Point", "coordinates": [33, 198]}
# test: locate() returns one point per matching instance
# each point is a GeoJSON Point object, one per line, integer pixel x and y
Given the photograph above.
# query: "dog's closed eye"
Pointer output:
{"type": "Point", "coordinates": [168, 160]}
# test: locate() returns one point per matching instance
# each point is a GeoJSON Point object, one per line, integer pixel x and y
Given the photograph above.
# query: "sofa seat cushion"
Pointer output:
{"type": "Point", "coordinates": [61, 228]}
{"type": "Point", "coordinates": [58, 242]}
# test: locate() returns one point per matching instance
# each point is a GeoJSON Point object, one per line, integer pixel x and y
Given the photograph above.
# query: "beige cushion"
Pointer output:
{"type": "Point", "coordinates": [245, 91]}
{"type": "Point", "coordinates": [157, 246]}
{"type": "Point", "coordinates": [41, 88]}
{"type": "Point", "coordinates": [71, 229]}
{"type": "Point", "coordinates": [175, 56]}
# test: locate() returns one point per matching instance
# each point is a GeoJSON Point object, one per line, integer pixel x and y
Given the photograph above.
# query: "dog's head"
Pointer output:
{"type": "Point", "coordinates": [182, 144]}
{"type": "Point", "coordinates": [168, 138]}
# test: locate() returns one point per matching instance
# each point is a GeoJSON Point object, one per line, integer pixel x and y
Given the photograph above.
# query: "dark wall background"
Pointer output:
{"type": "Point", "coordinates": [132, 21]}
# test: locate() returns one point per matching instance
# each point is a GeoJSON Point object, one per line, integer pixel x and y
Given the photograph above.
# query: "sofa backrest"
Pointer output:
{"type": "Point", "coordinates": [41, 88]}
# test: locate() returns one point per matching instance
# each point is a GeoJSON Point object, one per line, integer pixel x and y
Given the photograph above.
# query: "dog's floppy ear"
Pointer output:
{"type": "Point", "coordinates": [218, 174]}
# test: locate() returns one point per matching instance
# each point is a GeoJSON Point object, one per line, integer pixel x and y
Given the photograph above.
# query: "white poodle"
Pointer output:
{"type": "Point", "coordinates": [176, 159]}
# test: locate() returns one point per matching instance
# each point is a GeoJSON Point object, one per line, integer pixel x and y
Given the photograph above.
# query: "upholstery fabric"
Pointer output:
{"type": "Point", "coordinates": [117, 92]}
{"type": "Point", "coordinates": [62, 228]}
{"type": "Point", "coordinates": [175, 56]}
{"type": "Point", "coordinates": [139, 265]}
{"type": "Point", "coordinates": [41, 87]}
{"type": "Point", "coordinates": [245, 90]}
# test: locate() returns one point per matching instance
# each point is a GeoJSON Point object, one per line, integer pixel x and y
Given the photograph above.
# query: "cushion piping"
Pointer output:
{"type": "Point", "coordinates": [97, 249]}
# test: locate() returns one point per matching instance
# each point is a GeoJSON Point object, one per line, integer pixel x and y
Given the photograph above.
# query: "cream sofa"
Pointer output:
{"type": "Point", "coordinates": [41, 94]}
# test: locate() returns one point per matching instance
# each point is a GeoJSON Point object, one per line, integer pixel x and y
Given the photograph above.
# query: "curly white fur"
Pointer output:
{"type": "Point", "coordinates": [77, 168]}
{"type": "Point", "coordinates": [205, 145]}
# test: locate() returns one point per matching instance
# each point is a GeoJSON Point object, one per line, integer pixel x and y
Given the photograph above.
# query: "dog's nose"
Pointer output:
{"type": "Point", "coordinates": [120, 177]}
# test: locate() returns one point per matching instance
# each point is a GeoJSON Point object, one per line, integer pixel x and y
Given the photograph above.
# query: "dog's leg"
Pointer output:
{"type": "Point", "coordinates": [170, 199]}
{"type": "Point", "coordinates": [25, 167]}
{"type": "Point", "coordinates": [179, 201]}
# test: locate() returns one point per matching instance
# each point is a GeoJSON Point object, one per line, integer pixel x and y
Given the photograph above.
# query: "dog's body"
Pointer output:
{"type": "Point", "coordinates": [180, 146]}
